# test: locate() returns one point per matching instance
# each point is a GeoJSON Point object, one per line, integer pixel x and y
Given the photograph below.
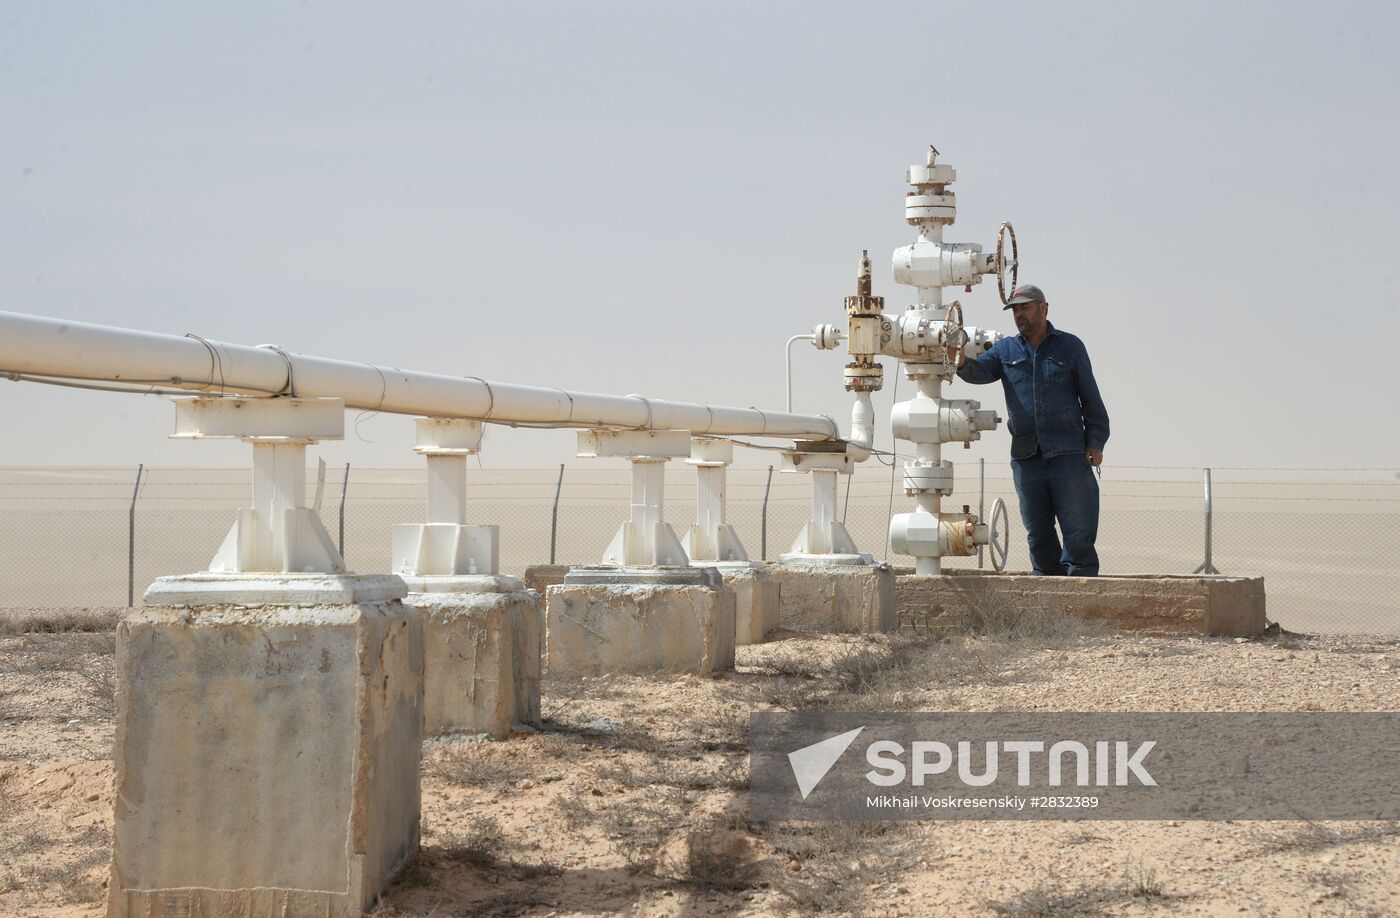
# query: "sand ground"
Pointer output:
{"type": "Point", "coordinates": [631, 799]}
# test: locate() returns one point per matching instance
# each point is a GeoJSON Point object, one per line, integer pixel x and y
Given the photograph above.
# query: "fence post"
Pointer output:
{"type": "Point", "coordinates": [763, 539]}
{"type": "Point", "coordinates": [554, 514]}
{"type": "Point", "coordinates": [131, 539]}
{"type": "Point", "coordinates": [981, 501]}
{"type": "Point", "coordinates": [1206, 566]}
{"type": "Point", "coordinates": [344, 486]}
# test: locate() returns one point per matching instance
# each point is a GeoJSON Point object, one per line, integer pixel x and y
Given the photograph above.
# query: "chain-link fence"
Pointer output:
{"type": "Point", "coordinates": [1325, 540]}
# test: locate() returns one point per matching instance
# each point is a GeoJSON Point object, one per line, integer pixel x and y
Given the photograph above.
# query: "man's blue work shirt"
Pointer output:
{"type": "Point", "coordinates": [1052, 402]}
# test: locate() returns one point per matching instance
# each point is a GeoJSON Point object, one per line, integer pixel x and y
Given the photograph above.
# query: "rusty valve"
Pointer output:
{"type": "Point", "coordinates": [865, 323]}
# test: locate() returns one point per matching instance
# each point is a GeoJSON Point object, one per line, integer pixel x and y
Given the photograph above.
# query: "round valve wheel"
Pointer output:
{"type": "Point", "coordinates": [954, 336]}
{"type": "Point", "coordinates": [999, 536]}
{"type": "Point", "coordinates": [1005, 261]}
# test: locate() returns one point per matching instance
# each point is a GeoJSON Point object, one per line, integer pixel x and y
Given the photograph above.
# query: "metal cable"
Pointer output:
{"type": "Point", "coordinates": [290, 387]}
{"type": "Point", "coordinates": [371, 412]}
{"type": "Point", "coordinates": [216, 360]}
{"type": "Point", "coordinates": [490, 394]}
{"type": "Point", "coordinates": [66, 380]}
{"type": "Point", "coordinates": [889, 510]}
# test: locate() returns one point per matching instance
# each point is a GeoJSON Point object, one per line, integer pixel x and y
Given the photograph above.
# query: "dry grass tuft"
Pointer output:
{"type": "Point", "coordinates": [883, 672]}
{"type": "Point", "coordinates": [59, 620]}
{"type": "Point", "coordinates": [472, 764]}
{"type": "Point", "coordinates": [996, 616]}
{"type": "Point", "coordinates": [1051, 900]}
{"type": "Point", "coordinates": [1083, 837]}
{"type": "Point", "coordinates": [720, 727]}
{"type": "Point", "coordinates": [480, 845]}
{"type": "Point", "coordinates": [827, 867]}
{"type": "Point", "coordinates": [70, 883]}
{"type": "Point", "coordinates": [87, 657]}
{"type": "Point", "coordinates": [1313, 837]}
{"type": "Point", "coordinates": [672, 771]}
{"type": "Point", "coordinates": [715, 856]}
{"type": "Point", "coordinates": [1144, 883]}
{"type": "Point", "coordinates": [1054, 900]}
{"type": "Point", "coordinates": [511, 904]}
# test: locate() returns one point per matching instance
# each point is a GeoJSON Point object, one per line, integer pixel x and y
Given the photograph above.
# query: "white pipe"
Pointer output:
{"type": "Point", "coordinates": [52, 347]}
{"type": "Point", "coordinates": [862, 421]}
{"type": "Point", "coordinates": [931, 298]}
{"type": "Point", "coordinates": [787, 364]}
{"type": "Point", "coordinates": [931, 453]}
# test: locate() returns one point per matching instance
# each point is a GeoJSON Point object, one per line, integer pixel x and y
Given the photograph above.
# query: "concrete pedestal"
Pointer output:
{"type": "Point", "coordinates": [620, 620]}
{"type": "Point", "coordinates": [835, 593]}
{"type": "Point", "coordinates": [540, 577]}
{"type": "Point", "coordinates": [482, 643]}
{"type": "Point", "coordinates": [268, 736]}
{"type": "Point", "coordinates": [756, 598]}
{"type": "Point", "coordinates": [1211, 605]}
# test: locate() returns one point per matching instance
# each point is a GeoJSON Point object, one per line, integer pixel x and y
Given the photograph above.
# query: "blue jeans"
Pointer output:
{"type": "Point", "coordinates": [1062, 488]}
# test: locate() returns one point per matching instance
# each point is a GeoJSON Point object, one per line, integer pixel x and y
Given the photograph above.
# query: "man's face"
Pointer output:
{"type": "Point", "coordinates": [1030, 317]}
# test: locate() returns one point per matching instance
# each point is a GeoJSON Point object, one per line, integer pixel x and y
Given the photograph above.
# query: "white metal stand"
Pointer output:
{"type": "Point", "coordinates": [711, 538]}
{"type": "Point", "coordinates": [279, 533]}
{"type": "Point", "coordinates": [824, 534]}
{"type": "Point", "coordinates": [646, 539]}
{"type": "Point", "coordinates": [445, 546]}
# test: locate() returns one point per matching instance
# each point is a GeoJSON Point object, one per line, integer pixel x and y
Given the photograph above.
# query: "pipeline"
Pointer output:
{"type": "Point", "coordinates": [33, 346]}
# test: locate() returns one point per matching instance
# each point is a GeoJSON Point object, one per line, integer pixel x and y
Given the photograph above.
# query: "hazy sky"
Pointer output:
{"type": "Point", "coordinates": [652, 197]}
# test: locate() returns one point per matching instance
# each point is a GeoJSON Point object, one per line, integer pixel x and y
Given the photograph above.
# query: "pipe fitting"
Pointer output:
{"type": "Point", "coordinates": [931, 263]}
{"type": "Point", "coordinates": [826, 337]}
{"type": "Point", "coordinates": [862, 421]}
{"type": "Point", "coordinates": [924, 534]}
{"type": "Point", "coordinates": [926, 420]}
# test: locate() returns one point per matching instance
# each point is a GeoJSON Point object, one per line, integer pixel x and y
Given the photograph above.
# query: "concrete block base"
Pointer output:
{"type": "Point", "coordinates": [846, 598]}
{"type": "Point", "coordinates": [1215, 605]}
{"type": "Point", "coordinates": [757, 595]}
{"type": "Point", "coordinates": [268, 736]}
{"type": "Point", "coordinates": [622, 626]}
{"type": "Point", "coordinates": [540, 577]}
{"type": "Point", "coordinates": [482, 644]}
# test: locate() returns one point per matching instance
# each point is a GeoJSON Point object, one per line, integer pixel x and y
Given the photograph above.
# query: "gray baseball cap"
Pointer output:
{"type": "Point", "coordinates": [1026, 293]}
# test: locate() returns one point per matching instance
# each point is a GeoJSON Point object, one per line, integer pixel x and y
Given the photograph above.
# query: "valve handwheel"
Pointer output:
{"type": "Point", "coordinates": [953, 344]}
{"type": "Point", "coordinates": [1001, 264]}
{"type": "Point", "coordinates": [999, 536]}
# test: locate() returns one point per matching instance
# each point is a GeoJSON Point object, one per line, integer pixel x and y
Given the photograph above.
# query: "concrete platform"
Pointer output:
{"type": "Point", "coordinates": [608, 623]}
{"type": "Point", "coordinates": [1214, 605]}
{"type": "Point", "coordinates": [482, 647]}
{"type": "Point", "coordinates": [841, 597]}
{"type": "Point", "coordinates": [757, 594]}
{"type": "Point", "coordinates": [268, 735]}
{"type": "Point", "coordinates": [757, 598]}
{"type": "Point", "coordinates": [540, 577]}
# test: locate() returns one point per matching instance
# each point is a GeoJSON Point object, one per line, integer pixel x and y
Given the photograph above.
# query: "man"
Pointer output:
{"type": "Point", "coordinates": [1058, 429]}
